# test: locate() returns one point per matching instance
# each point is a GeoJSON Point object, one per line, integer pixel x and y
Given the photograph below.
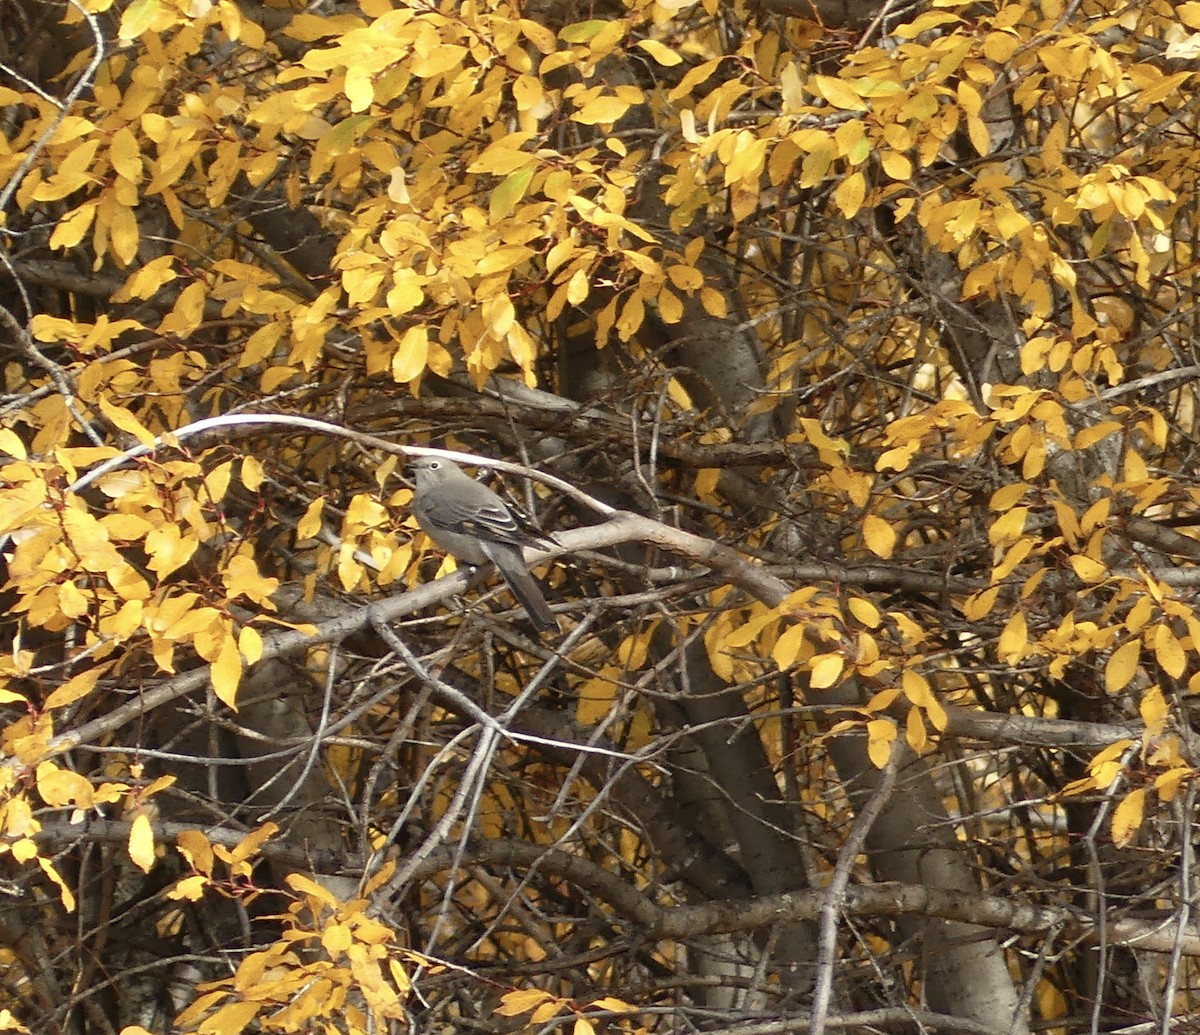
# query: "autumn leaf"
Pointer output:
{"type": "Point", "coordinates": [879, 536]}
{"type": "Point", "coordinates": [515, 1003]}
{"type": "Point", "coordinates": [880, 735]}
{"type": "Point", "coordinates": [227, 672]}
{"type": "Point", "coordinates": [141, 843]}
{"type": "Point", "coordinates": [1127, 817]}
{"type": "Point", "coordinates": [826, 668]}
{"type": "Point", "coordinates": [1121, 666]}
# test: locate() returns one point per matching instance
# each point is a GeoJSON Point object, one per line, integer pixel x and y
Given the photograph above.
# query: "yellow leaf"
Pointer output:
{"type": "Point", "coordinates": [979, 605]}
{"type": "Point", "coordinates": [879, 536]}
{"type": "Point", "coordinates": [614, 1005]}
{"type": "Point", "coordinates": [581, 32]}
{"type": "Point", "coordinates": [189, 889]}
{"type": "Point", "coordinates": [837, 92]}
{"type": "Point", "coordinates": [817, 436]}
{"type": "Point", "coordinates": [670, 308]}
{"type": "Point", "coordinates": [1189, 14]}
{"type": "Point", "coordinates": [138, 17]}
{"type": "Point", "coordinates": [499, 315]}
{"type": "Point", "coordinates": [601, 110]}
{"type": "Point", "coordinates": [406, 293]}
{"type": "Point", "coordinates": [662, 54]}
{"type": "Point", "coordinates": [595, 698]}
{"type": "Point", "coordinates": [883, 700]}
{"type": "Point", "coordinates": [537, 34]}
{"type": "Point", "coordinates": [310, 523]}
{"type": "Point", "coordinates": [125, 155]}
{"type": "Point", "coordinates": [1006, 497]}
{"type": "Point", "coordinates": [1135, 466]}
{"type": "Point", "coordinates": [1013, 639]}
{"type": "Point", "coordinates": [216, 482]}
{"type": "Point", "coordinates": [252, 473]}
{"type": "Point", "coordinates": [242, 578]}
{"type": "Point", "coordinates": [10, 443]}
{"type": "Point", "coordinates": [141, 843]}
{"type": "Point", "coordinates": [168, 549]}
{"type": "Point", "coordinates": [250, 644]}
{"type": "Point", "coordinates": [508, 193]}
{"type": "Point", "coordinates": [411, 356]}
{"type": "Point", "coordinates": [897, 166]}
{"type": "Point", "coordinates": [249, 845]}
{"type": "Point", "coordinates": [159, 784]}
{"type": "Point", "coordinates": [825, 670]}
{"type": "Point", "coordinates": [399, 976]}
{"type": "Point", "coordinates": [1168, 652]}
{"type": "Point", "coordinates": [12, 698]}
{"type": "Point", "coordinates": [880, 735]}
{"type": "Point", "coordinates": [73, 172]}
{"type": "Point", "coordinates": [582, 1026]}
{"type": "Point", "coordinates": [1090, 436]}
{"type": "Point", "coordinates": [125, 421]}
{"type": "Point", "coordinates": [1088, 570]}
{"type": "Point", "coordinates": [978, 133]}
{"type": "Point", "coordinates": [260, 344]}
{"type": "Point", "coordinates": [506, 257]}
{"type": "Point", "coordinates": [1009, 527]}
{"type": "Point", "coordinates": [866, 612]}
{"type": "Point", "coordinates": [1127, 817]}
{"type": "Point", "coordinates": [850, 194]}
{"type": "Point", "coordinates": [916, 687]}
{"type": "Point", "coordinates": [439, 60]}
{"type": "Point", "coordinates": [336, 939]}
{"type": "Point", "coordinates": [1167, 784]}
{"type": "Point", "coordinates": [1121, 666]}
{"type": "Point", "coordinates": [787, 647]}
{"type": "Point", "coordinates": [360, 88]}
{"type": "Point", "coordinates": [68, 899]}
{"type": "Point", "coordinates": [9, 1023]}
{"type": "Point", "coordinates": [79, 685]}
{"type": "Point", "coordinates": [71, 601]}
{"type": "Point", "coordinates": [714, 302]}
{"type": "Point", "coordinates": [147, 279]}
{"type": "Point", "coordinates": [1139, 617]}
{"type": "Point", "coordinates": [686, 278]}
{"type": "Point", "coordinates": [231, 1019]}
{"type": "Point", "coordinates": [227, 672]}
{"type": "Point", "coordinates": [61, 787]}
{"type": "Point", "coordinates": [633, 313]}
{"type": "Point", "coordinates": [521, 1001]}
{"type": "Point", "coordinates": [1153, 709]}
{"type": "Point", "coordinates": [578, 287]}
{"type": "Point", "coordinates": [188, 311]}
{"type": "Point", "coordinates": [195, 848]}
{"type": "Point", "coordinates": [123, 234]}
{"type": "Point", "coordinates": [70, 230]}
{"type": "Point", "coordinates": [914, 731]}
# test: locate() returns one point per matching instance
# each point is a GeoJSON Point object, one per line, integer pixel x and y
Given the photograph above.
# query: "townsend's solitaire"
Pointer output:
{"type": "Point", "coordinates": [466, 519]}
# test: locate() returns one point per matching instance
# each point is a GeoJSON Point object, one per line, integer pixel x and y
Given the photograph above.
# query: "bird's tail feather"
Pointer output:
{"type": "Point", "coordinates": [523, 585]}
{"type": "Point", "coordinates": [526, 590]}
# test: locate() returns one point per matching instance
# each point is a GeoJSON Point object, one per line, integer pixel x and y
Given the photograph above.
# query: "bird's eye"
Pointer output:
{"type": "Point", "coordinates": [434, 465]}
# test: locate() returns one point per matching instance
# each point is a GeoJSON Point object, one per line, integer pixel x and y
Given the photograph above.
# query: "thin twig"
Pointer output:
{"type": "Point", "coordinates": [832, 907]}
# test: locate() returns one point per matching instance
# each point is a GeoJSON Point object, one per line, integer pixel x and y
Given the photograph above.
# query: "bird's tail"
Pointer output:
{"type": "Point", "coordinates": [523, 585]}
{"type": "Point", "coordinates": [527, 591]}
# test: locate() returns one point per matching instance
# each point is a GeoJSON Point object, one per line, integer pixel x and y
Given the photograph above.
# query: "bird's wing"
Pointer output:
{"type": "Point", "coordinates": [487, 518]}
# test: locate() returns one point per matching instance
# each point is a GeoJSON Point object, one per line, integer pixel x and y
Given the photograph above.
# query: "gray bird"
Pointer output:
{"type": "Point", "coordinates": [466, 519]}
